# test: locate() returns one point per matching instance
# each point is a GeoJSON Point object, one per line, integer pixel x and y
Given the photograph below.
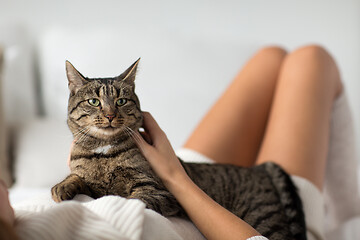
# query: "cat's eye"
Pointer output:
{"type": "Point", "coordinates": [121, 101]}
{"type": "Point", "coordinates": [94, 102]}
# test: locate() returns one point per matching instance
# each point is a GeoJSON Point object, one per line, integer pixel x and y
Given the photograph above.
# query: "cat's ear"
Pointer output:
{"type": "Point", "coordinates": [130, 73]}
{"type": "Point", "coordinates": [75, 78]}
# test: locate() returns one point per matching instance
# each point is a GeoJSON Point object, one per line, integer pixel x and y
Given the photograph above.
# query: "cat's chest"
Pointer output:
{"type": "Point", "coordinates": [106, 162]}
{"type": "Point", "coordinates": [103, 149]}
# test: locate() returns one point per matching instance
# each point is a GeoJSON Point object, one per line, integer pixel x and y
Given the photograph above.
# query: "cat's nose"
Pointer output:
{"type": "Point", "coordinates": [110, 117]}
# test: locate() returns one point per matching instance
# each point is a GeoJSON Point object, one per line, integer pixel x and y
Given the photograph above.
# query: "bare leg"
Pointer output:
{"type": "Point", "coordinates": [297, 134]}
{"type": "Point", "coordinates": [233, 129]}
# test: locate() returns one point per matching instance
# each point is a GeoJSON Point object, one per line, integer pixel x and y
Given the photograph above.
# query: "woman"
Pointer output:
{"type": "Point", "coordinates": [277, 108]}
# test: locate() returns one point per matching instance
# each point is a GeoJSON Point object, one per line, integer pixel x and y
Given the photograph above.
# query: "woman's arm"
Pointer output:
{"type": "Point", "coordinates": [214, 221]}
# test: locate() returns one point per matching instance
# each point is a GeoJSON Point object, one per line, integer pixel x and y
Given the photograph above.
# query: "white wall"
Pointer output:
{"type": "Point", "coordinates": [332, 23]}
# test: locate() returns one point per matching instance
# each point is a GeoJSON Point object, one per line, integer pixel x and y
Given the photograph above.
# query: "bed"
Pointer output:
{"type": "Point", "coordinates": [40, 139]}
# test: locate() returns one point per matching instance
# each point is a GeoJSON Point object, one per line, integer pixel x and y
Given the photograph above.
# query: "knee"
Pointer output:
{"type": "Point", "coordinates": [315, 59]}
{"type": "Point", "coordinates": [312, 54]}
{"type": "Point", "coordinates": [272, 51]}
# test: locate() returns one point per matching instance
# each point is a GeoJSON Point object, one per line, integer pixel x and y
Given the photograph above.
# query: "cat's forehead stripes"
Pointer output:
{"type": "Point", "coordinates": [102, 90]}
{"type": "Point", "coordinates": [102, 85]}
{"type": "Point", "coordinates": [110, 90]}
{"type": "Point", "coordinates": [113, 91]}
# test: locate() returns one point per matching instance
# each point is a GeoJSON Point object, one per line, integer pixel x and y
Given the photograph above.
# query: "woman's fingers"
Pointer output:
{"type": "Point", "coordinates": [160, 154]}
{"type": "Point", "coordinates": [146, 137]}
{"type": "Point", "coordinates": [69, 156]}
{"type": "Point", "coordinates": [141, 142]}
{"type": "Point", "coordinates": [151, 127]}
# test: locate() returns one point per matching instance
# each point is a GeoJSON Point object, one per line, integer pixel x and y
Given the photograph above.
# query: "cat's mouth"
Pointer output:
{"type": "Point", "coordinates": [106, 130]}
{"type": "Point", "coordinates": [108, 127]}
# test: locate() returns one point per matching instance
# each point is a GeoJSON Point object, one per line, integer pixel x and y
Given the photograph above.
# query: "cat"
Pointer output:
{"type": "Point", "coordinates": [102, 115]}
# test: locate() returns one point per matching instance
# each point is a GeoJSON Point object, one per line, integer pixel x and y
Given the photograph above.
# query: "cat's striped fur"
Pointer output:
{"type": "Point", "coordinates": [103, 113]}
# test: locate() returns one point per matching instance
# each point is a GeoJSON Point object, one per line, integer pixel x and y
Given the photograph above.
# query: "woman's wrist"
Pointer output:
{"type": "Point", "coordinates": [196, 202]}
{"type": "Point", "coordinates": [178, 182]}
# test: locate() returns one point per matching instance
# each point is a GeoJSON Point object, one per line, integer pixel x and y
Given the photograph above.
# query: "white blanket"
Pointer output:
{"type": "Point", "coordinates": [109, 217]}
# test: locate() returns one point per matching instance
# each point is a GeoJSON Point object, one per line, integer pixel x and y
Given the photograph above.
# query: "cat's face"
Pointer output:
{"type": "Point", "coordinates": [103, 107]}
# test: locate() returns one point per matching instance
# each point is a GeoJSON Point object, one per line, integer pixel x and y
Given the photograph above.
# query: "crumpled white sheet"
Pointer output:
{"type": "Point", "coordinates": [109, 217]}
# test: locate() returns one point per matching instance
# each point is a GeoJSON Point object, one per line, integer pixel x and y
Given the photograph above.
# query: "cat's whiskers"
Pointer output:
{"type": "Point", "coordinates": [127, 132]}
{"type": "Point", "coordinates": [96, 131]}
{"type": "Point", "coordinates": [87, 135]}
{"type": "Point", "coordinates": [83, 136]}
{"type": "Point", "coordinates": [81, 131]}
{"type": "Point", "coordinates": [134, 135]}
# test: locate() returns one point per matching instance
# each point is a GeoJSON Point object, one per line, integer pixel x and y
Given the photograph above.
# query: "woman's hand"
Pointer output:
{"type": "Point", "coordinates": [214, 221]}
{"type": "Point", "coordinates": [69, 156]}
{"type": "Point", "coordinates": [157, 149]}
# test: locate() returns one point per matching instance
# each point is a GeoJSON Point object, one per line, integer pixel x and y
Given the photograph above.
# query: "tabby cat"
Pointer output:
{"type": "Point", "coordinates": [102, 115]}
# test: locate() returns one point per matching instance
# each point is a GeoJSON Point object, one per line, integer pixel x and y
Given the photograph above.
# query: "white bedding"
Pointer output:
{"type": "Point", "coordinates": [73, 219]}
{"type": "Point", "coordinates": [110, 217]}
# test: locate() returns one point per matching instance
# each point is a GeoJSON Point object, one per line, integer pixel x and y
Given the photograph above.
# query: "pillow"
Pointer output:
{"type": "Point", "coordinates": [41, 153]}
{"type": "Point", "coordinates": [4, 164]}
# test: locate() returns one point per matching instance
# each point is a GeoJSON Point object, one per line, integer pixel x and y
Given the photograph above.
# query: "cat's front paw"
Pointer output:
{"type": "Point", "coordinates": [67, 189]}
{"type": "Point", "coordinates": [63, 191]}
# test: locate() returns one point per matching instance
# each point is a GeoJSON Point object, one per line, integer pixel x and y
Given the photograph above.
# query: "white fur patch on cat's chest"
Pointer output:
{"type": "Point", "coordinates": [102, 149]}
